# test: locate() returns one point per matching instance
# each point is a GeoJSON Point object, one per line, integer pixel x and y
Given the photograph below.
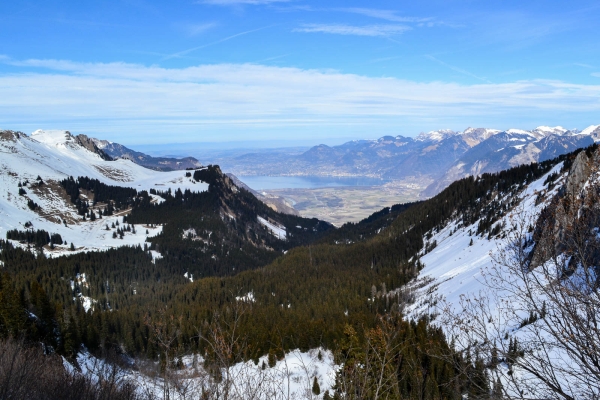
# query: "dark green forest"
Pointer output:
{"type": "Point", "coordinates": [315, 288]}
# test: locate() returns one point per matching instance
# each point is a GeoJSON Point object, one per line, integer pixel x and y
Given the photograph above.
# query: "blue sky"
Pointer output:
{"type": "Point", "coordinates": [151, 72]}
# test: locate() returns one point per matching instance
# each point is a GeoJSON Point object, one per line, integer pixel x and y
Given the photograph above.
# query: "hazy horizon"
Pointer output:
{"type": "Point", "coordinates": [149, 72]}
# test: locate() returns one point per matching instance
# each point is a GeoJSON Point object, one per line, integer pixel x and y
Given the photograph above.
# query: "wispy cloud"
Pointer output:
{"type": "Point", "coordinates": [234, 99]}
{"type": "Point", "coordinates": [388, 15]}
{"type": "Point", "coordinates": [582, 65]}
{"type": "Point", "coordinates": [187, 51]}
{"type": "Point", "coordinates": [365, 30]}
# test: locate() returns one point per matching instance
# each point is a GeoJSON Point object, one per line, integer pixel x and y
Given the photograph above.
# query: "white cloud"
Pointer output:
{"type": "Point", "coordinates": [366, 30]}
{"type": "Point", "coordinates": [388, 15]}
{"type": "Point", "coordinates": [250, 99]}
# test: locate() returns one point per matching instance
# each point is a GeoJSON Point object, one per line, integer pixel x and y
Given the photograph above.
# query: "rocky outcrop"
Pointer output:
{"type": "Point", "coordinates": [9, 135]}
{"type": "Point", "coordinates": [89, 144]}
{"type": "Point", "coordinates": [574, 207]}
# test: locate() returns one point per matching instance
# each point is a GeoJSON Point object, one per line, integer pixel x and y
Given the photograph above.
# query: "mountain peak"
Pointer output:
{"type": "Point", "coordinates": [435, 136]}
{"type": "Point", "coordinates": [550, 129]}
{"type": "Point", "coordinates": [590, 130]}
{"type": "Point", "coordinates": [52, 136]}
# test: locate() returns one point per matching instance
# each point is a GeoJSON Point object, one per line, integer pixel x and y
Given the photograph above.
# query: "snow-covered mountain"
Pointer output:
{"type": "Point", "coordinates": [31, 167]}
{"type": "Point", "coordinates": [433, 159]}
{"type": "Point", "coordinates": [527, 276]}
{"type": "Point", "coordinates": [508, 149]}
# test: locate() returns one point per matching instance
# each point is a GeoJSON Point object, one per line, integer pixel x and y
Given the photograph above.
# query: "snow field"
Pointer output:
{"type": "Point", "coordinates": [456, 266]}
{"type": "Point", "coordinates": [291, 378]}
{"type": "Point", "coordinates": [55, 155]}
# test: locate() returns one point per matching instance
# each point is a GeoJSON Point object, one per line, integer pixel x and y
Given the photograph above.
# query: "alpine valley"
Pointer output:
{"type": "Point", "coordinates": [134, 277]}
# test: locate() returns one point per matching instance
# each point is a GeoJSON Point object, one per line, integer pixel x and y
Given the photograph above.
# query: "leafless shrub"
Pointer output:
{"type": "Point", "coordinates": [537, 325]}
{"type": "Point", "coordinates": [27, 373]}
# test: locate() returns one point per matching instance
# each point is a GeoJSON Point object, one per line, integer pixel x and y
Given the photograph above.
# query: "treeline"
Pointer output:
{"type": "Point", "coordinates": [485, 199]}
{"type": "Point", "coordinates": [368, 227]}
{"type": "Point", "coordinates": [38, 237]}
{"type": "Point", "coordinates": [103, 193]}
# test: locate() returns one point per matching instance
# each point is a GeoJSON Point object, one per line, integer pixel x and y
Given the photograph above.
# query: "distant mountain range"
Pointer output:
{"type": "Point", "coordinates": [433, 159]}
{"type": "Point", "coordinates": [116, 150]}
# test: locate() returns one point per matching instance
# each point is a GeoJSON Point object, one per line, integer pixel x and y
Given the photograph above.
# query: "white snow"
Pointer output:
{"type": "Point", "coordinates": [155, 255]}
{"type": "Point", "coordinates": [589, 130]}
{"type": "Point", "coordinates": [291, 377]}
{"type": "Point", "coordinates": [518, 131]}
{"type": "Point", "coordinates": [278, 231]}
{"type": "Point", "coordinates": [549, 129]}
{"type": "Point", "coordinates": [87, 302]}
{"type": "Point", "coordinates": [55, 155]}
{"type": "Point", "coordinates": [435, 136]}
{"type": "Point", "coordinates": [247, 298]}
{"type": "Point", "coordinates": [454, 267]}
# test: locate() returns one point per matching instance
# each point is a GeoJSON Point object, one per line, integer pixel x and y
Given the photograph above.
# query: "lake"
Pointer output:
{"type": "Point", "coordinates": [307, 182]}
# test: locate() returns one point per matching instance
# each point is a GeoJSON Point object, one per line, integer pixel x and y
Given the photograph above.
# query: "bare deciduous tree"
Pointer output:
{"type": "Point", "coordinates": [537, 323]}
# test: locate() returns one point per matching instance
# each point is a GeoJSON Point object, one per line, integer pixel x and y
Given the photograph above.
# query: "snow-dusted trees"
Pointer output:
{"type": "Point", "coordinates": [537, 324]}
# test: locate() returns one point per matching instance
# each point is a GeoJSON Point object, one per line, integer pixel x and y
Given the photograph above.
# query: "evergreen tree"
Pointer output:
{"type": "Point", "coordinates": [316, 389]}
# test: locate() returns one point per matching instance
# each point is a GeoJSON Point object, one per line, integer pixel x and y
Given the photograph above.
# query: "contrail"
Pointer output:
{"type": "Point", "coordinates": [184, 52]}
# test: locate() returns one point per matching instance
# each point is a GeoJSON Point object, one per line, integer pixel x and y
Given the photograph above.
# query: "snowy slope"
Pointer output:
{"type": "Point", "coordinates": [454, 267]}
{"type": "Point", "coordinates": [291, 378]}
{"type": "Point", "coordinates": [54, 156]}
{"type": "Point", "coordinates": [486, 293]}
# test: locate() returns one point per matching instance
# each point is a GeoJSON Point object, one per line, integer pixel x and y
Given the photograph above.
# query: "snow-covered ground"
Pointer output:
{"type": "Point", "coordinates": [291, 378]}
{"type": "Point", "coordinates": [54, 156]}
{"type": "Point", "coordinates": [277, 230]}
{"type": "Point", "coordinates": [454, 267]}
{"type": "Point", "coordinates": [469, 280]}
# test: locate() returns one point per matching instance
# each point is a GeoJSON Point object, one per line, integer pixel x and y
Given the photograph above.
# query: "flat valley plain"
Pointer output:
{"type": "Point", "coordinates": [339, 205]}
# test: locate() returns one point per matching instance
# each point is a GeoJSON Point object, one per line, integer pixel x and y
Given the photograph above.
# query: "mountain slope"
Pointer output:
{"type": "Point", "coordinates": [116, 150]}
{"type": "Point", "coordinates": [520, 290]}
{"type": "Point", "coordinates": [34, 169]}
{"type": "Point", "coordinates": [54, 156]}
{"type": "Point", "coordinates": [509, 149]}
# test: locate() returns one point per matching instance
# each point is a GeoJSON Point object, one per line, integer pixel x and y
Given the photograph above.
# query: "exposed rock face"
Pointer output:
{"type": "Point", "coordinates": [506, 150]}
{"type": "Point", "coordinates": [89, 144]}
{"type": "Point", "coordinates": [575, 207]}
{"type": "Point", "coordinates": [10, 135]}
{"type": "Point", "coordinates": [579, 173]}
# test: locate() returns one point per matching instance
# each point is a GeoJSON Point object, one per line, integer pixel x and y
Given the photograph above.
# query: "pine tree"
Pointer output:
{"type": "Point", "coordinates": [316, 389]}
{"type": "Point", "coordinates": [272, 359]}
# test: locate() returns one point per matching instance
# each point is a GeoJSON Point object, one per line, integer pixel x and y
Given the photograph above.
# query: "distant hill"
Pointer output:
{"type": "Point", "coordinates": [116, 150]}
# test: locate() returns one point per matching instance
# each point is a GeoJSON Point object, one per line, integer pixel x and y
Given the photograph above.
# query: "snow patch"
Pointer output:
{"type": "Point", "coordinates": [248, 298]}
{"type": "Point", "coordinates": [277, 230]}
